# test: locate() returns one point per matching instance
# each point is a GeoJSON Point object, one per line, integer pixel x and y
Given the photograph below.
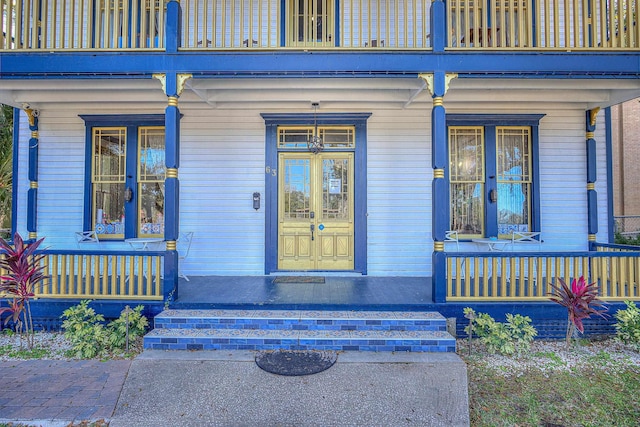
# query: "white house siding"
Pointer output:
{"type": "Point", "coordinates": [61, 168]}
{"type": "Point", "coordinates": [563, 179]}
{"type": "Point", "coordinates": [222, 164]}
{"type": "Point", "coordinates": [602, 183]}
{"type": "Point", "coordinates": [399, 177]}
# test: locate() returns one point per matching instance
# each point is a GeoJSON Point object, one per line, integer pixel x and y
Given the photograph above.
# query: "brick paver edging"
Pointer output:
{"type": "Point", "coordinates": [61, 390]}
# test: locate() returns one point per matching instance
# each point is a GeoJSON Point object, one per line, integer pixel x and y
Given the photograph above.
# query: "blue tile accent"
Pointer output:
{"type": "Point", "coordinates": [320, 330]}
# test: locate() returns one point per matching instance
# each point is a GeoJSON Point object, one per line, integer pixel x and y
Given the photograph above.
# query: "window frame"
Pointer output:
{"type": "Point", "coordinates": [132, 123]}
{"type": "Point", "coordinates": [490, 123]}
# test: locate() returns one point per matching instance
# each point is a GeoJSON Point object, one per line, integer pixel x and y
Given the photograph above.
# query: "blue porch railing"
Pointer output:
{"type": "Point", "coordinates": [526, 276]}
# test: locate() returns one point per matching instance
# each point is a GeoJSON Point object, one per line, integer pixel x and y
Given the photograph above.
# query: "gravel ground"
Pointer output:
{"type": "Point", "coordinates": [554, 355]}
{"type": "Point", "coordinates": [54, 346]}
{"type": "Point", "coordinates": [546, 355]}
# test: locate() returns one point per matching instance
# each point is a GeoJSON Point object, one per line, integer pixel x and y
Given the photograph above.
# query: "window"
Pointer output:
{"type": "Point", "coordinates": [492, 175]}
{"type": "Point", "coordinates": [125, 179]}
{"type": "Point", "coordinates": [333, 137]}
{"type": "Point", "coordinates": [311, 22]}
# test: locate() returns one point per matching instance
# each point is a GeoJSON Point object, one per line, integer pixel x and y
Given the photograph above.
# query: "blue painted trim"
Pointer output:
{"type": "Point", "coordinates": [439, 34]}
{"type": "Point", "coordinates": [321, 63]}
{"type": "Point", "coordinates": [88, 156]}
{"type": "Point", "coordinates": [173, 27]}
{"type": "Point", "coordinates": [131, 122]}
{"type": "Point", "coordinates": [494, 119]}
{"type": "Point", "coordinates": [489, 122]}
{"type": "Point", "coordinates": [32, 193]}
{"type": "Point", "coordinates": [536, 213]}
{"type": "Point", "coordinates": [272, 121]}
{"type": "Point", "coordinates": [609, 150]}
{"type": "Point", "coordinates": [271, 198]}
{"type": "Point", "coordinates": [131, 181]}
{"type": "Point", "coordinates": [490, 181]}
{"type": "Point", "coordinates": [92, 120]}
{"type": "Point", "coordinates": [32, 210]}
{"type": "Point", "coordinates": [336, 33]}
{"type": "Point", "coordinates": [16, 171]}
{"type": "Point", "coordinates": [283, 23]}
{"type": "Point", "coordinates": [592, 195]}
{"type": "Point", "coordinates": [360, 201]}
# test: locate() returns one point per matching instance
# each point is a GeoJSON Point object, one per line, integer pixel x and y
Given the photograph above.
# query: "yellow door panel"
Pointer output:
{"type": "Point", "coordinates": [315, 211]}
{"type": "Point", "coordinates": [343, 246]}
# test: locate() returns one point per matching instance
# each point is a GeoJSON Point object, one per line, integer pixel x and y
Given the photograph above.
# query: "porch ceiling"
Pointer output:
{"type": "Point", "coordinates": [299, 93]}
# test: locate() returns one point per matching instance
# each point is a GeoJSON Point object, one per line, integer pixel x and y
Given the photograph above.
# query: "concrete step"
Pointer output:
{"type": "Point", "coordinates": [300, 330]}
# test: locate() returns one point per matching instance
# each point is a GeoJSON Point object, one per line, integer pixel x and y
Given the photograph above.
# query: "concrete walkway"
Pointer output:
{"type": "Point", "coordinates": [229, 389]}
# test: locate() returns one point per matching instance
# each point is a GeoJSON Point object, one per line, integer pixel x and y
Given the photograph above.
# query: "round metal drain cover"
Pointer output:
{"type": "Point", "coordinates": [295, 363]}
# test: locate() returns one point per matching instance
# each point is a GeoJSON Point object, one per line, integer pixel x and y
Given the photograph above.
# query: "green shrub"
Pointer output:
{"type": "Point", "coordinates": [130, 325]}
{"type": "Point", "coordinates": [627, 240]}
{"type": "Point", "coordinates": [628, 324]}
{"type": "Point", "coordinates": [91, 338]}
{"type": "Point", "coordinates": [515, 335]}
{"type": "Point", "coordinates": [85, 329]}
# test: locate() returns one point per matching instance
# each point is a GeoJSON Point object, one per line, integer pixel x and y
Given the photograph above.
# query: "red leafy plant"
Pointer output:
{"type": "Point", "coordinates": [22, 272]}
{"type": "Point", "coordinates": [581, 300]}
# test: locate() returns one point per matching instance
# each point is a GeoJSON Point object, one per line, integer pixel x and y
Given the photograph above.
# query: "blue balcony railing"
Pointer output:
{"type": "Point", "coordinates": [320, 24]}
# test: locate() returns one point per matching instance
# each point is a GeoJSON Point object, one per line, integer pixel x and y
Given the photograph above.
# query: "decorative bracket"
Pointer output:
{"type": "Point", "coordinates": [592, 115]}
{"type": "Point", "coordinates": [163, 80]}
{"type": "Point", "coordinates": [32, 113]}
{"type": "Point", "coordinates": [182, 80]}
{"type": "Point", "coordinates": [429, 77]}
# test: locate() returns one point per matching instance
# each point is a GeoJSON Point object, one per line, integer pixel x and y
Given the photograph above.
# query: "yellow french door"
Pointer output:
{"type": "Point", "coordinates": [315, 211]}
{"type": "Point", "coordinates": [311, 23]}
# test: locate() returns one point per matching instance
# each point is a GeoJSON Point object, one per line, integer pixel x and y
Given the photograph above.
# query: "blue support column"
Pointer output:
{"type": "Point", "coordinates": [438, 83]}
{"type": "Point", "coordinates": [438, 26]}
{"type": "Point", "coordinates": [32, 195]}
{"type": "Point", "coordinates": [173, 85]}
{"type": "Point", "coordinates": [173, 26]}
{"type": "Point", "coordinates": [592, 196]}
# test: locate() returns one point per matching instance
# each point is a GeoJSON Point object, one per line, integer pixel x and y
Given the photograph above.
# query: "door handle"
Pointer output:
{"type": "Point", "coordinates": [313, 227]}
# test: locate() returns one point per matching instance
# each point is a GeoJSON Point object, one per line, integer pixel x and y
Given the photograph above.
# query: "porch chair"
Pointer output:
{"type": "Point", "coordinates": [87, 237]}
{"type": "Point", "coordinates": [89, 240]}
{"type": "Point", "coordinates": [451, 236]}
{"type": "Point", "coordinates": [183, 245]}
{"type": "Point", "coordinates": [527, 238]}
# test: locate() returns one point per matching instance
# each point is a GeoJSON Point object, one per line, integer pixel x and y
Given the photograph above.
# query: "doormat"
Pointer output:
{"type": "Point", "coordinates": [295, 363]}
{"type": "Point", "coordinates": [299, 279]}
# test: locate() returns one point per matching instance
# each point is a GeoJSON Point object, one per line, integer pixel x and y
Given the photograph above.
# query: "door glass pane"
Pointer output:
{"type": "Point", "coordinates": [294, 137]}
{"type": "Point", "coordinates": [151, 175]}
{"type": "Point", "coordinates": [466, 175]}
{"type": "Point", "coordinates": [296, 195]}
{"type": "Point", "coordinates": [107, 181]}
{"type": "Point", "coordinates": [514, 179]}
{"type": "Point", "coordinates": [337, 137]}
{"type": "Point", "coordinates": [335, 189]}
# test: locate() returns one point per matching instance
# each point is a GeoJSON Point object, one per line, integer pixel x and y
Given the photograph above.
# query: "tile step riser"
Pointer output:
{"type": "Point", "coordinates": [228, 339]}
{"type": "Point", "coordinates": [287, 325]}
{"type": "Point", "coordinates": [400, 345]}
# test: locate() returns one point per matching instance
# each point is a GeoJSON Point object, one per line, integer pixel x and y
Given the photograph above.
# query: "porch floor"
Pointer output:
{"type": "Point", "coordinates": [336, 293]}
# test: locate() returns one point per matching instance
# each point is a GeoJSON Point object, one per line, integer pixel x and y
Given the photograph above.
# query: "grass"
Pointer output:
{"type": "Point", "coordinates": [36, 352]}
{"type": "Point", "coordinates": [601, 391]}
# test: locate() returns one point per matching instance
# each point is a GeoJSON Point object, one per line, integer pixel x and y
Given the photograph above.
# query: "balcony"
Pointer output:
{"type": "Point", "coordinates": [241, 25]}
